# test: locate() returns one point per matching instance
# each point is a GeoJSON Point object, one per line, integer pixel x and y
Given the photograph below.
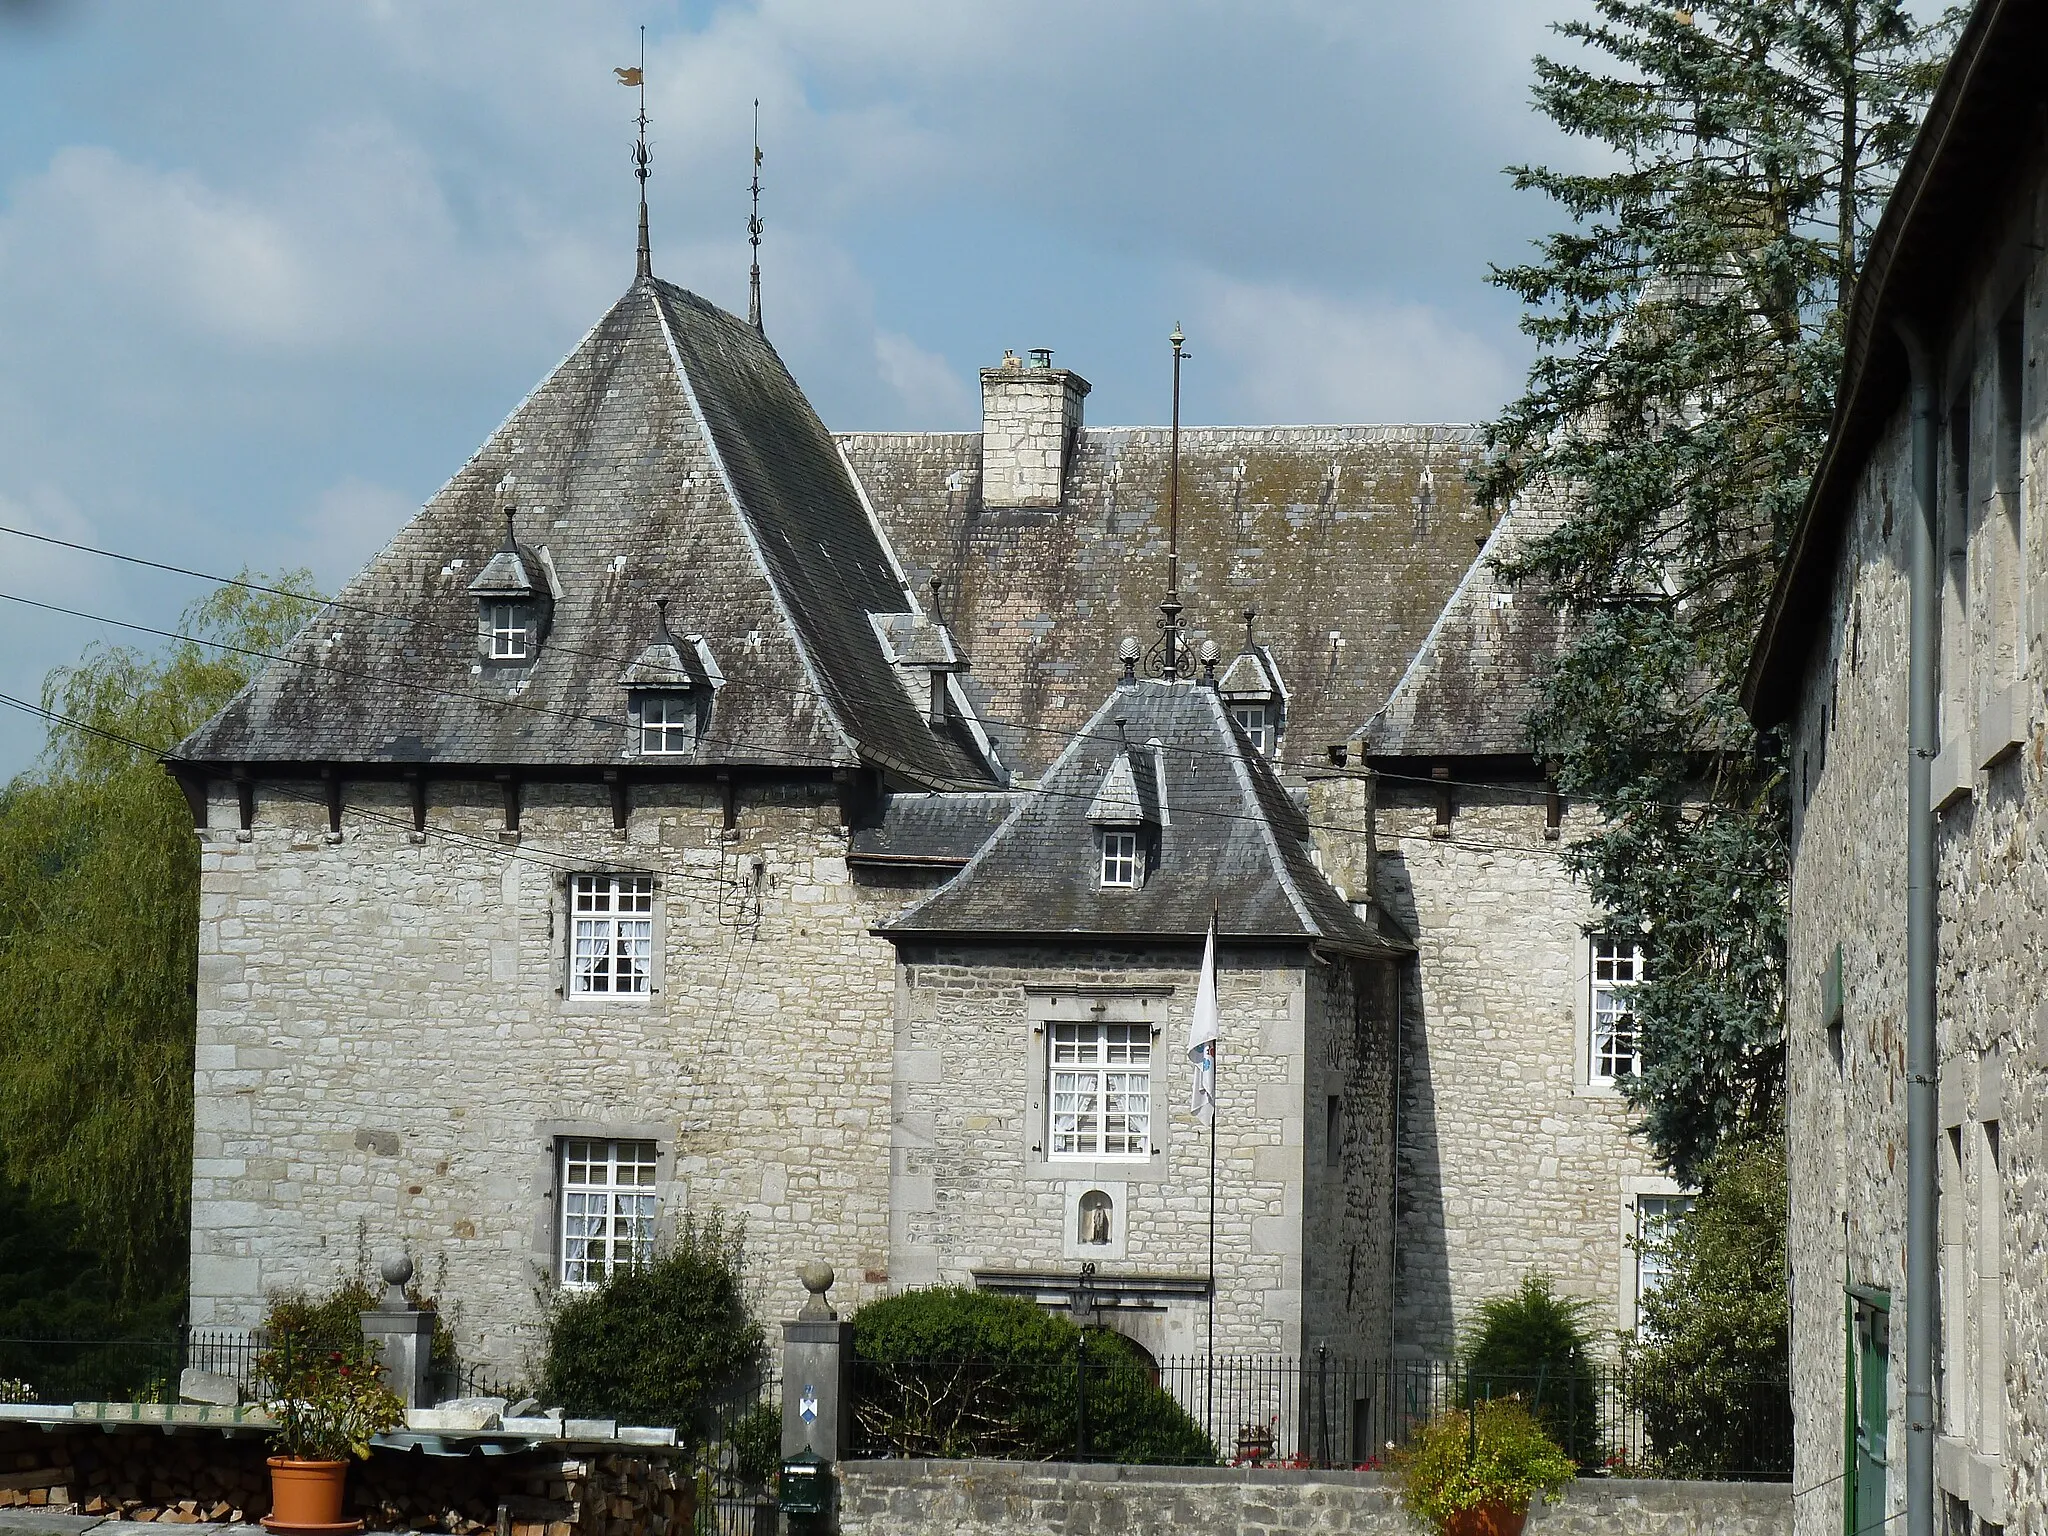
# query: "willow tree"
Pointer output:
{"type": "Point", "coordinates": [1689, 318]}
{"type": "Point", "coordinates": [99, 913]}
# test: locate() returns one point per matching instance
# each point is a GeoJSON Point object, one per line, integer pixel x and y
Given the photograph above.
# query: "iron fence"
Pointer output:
{"type": "Point", "coordinates": [741, 1431]}
{"type": "Point", "coordinates": [52, 1371]}
{"type": "Point", "coordinates": [1314, 1411]}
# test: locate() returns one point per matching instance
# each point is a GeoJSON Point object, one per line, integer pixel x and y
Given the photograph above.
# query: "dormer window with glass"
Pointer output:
{"type": "Point", "coordinates": [1126, 815]}
{"type": "Point", "coordinates": [1253, 693]}
{"type": "Point", "coordinates": [512, 601]}
{"type": "Point", "coordinates": [670, 686]}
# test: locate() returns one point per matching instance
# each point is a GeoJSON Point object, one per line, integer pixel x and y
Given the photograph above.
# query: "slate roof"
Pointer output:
{"type": "Point", "coordinates": [670, 454]}
{"type": "Point", "coordinates": [1347, 539]}
{"type": "Point", "coordinates": [1227, 832]}
{"type": "Point", "coordinates": [1479, 674]}
{"type": "Point", "coordinates": [926, 828]}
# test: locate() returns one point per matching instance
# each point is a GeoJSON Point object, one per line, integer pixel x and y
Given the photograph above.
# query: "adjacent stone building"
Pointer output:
{"type": "Point", "coordinates": [1955, 272]}
{"type": "Point", "coordinates": [692, 809]}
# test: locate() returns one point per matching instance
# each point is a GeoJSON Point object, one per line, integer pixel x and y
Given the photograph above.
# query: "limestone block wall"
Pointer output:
{"type": "Point", "coordinates": [1348, 1159]}
{"type": "Point", "coordinates": [974, 1189]}
{"type": "Point", "coordinates": [1510, 1158]}
{"type": "Point", "coordinates": [997, 1498]}
{"type": "Point", "coordinates": [1847, 1066]}
{"type": "Point", "coordinates": [1029, 420]}
{"type": "Point", "coordinates": [385, 1053]}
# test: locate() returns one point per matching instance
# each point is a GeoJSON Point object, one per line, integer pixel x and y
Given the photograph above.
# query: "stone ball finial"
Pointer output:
{"type": "Point", "coordinates": [817, 1278]}
{"type": "Point", "coordinates": [397, 1273]}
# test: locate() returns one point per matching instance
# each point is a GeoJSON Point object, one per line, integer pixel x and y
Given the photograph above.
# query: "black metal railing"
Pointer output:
{"type": "Point", "coordinates": [741, 1431]}
{"type": "Point", "coordinates": [1314, 1411]}
{"type": "Point", "coordinates": [53, 1371]}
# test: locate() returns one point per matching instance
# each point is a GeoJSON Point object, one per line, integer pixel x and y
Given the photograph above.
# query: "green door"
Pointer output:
{"type": "Point", "coordinates": [1870, 1345]}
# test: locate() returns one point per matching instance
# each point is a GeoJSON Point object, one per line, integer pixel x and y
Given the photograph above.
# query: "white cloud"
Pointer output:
{"type": "Point", "coordinates": [347, 524]}
{"type": "Point", "coordinates": [926, 386]}
{"type": "Point", "coordinates": [1290, 355]}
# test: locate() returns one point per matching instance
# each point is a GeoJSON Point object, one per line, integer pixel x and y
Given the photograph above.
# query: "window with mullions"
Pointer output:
{"type": "Point", "coordinates": [1617, 1043]}
{"type": "Point", "coordinates": [668, 723]}
{"type": "Point", "coordinates": [1657, 1218]}
{"type": "Point", "coordinates": [1101, 1098]}
{"type": "Point", "coordinates": [607, 1194]}
{"type": "Point", "coordinates": [1120, 858]}
{"type": "Point", "coordinates": [510, 625]}
{"type": "Point", "coordinates": [1251, 718]}
{"type": "Point", "coordinates": [611, 934]}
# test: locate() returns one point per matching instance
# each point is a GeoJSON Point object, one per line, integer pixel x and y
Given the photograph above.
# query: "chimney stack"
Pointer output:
{"type": "Point", "coordinates": [1030, 423]}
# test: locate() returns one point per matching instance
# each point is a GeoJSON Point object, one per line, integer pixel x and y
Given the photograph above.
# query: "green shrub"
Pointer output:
{"type": "Point", "coordinates": [1708, 1365]}
{"type": "Point", "coordinates": [756, 1442]}
{"type": "Point", "coordinates": [949, 1372]}
{"type": "Point", "coordinates": [653, 1344]}
{"type": "Point", "coordinates": [325, 1380]}
{"type": "Point", "coordinates": [1536, 1345]}
{"type": "Point", "coordinates": [1486, 1453]}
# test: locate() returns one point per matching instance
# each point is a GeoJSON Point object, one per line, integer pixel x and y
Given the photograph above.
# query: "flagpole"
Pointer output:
{"type": "Point", "coordinates": [1213, 1053]}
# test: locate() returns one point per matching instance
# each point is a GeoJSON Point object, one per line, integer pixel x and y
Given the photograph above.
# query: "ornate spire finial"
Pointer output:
{"type": "Point", "coordinates": [754, 229]}
{"type": "Point", "coordinates": [1170, 644]}
{"type": "Point", "coordinates": [511, 537]}
{"type": "Point", "coordinates": [1250, 615]}
{"type": "Point", "coordinates": [643, 264]}
{"type": "Point", "coordinates": [933, 584]}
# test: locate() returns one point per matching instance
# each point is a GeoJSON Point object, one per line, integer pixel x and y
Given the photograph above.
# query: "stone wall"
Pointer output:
{"type": "Point", "coordinates": [1510, 1158]}
{"type": "Point", "coordinates": [385, 1055]}
{"type": "Point", "coordinates": [145, 1475]}
{"type": "Point", "coordinates": [974, 1188]}
{"type": "Point", "coordinates": [1847, 1059]}
{"type": "Point", "coordinates": [993, 1498]}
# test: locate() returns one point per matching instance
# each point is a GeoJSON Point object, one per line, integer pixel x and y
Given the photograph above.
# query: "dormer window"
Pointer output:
{"type": "Point", "coordinates": [671, 685]}
{"type": "Point", "coordinates": [668, 723]}
{"type": "Point", "coordinates": [511, 604]}
{"type": "Point", "coordinates": [1251, 719]}
{"type": "Point", "coordinates": [511, 628]}
{"type": "Point", "coordinates": [1119, 860]}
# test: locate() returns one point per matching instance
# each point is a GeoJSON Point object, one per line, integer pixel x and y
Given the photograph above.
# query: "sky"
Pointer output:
{"type": "Point", "coordinates": [270, 273]}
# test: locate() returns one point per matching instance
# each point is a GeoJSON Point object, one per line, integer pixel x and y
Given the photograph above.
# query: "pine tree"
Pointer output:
{"type": "Point", "coordinates": [1689, 322]}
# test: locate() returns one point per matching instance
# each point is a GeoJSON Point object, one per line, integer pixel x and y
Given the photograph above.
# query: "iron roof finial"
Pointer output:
{"type": "Point", "coordinates": [661, 630]}
{"type": "Point", "coordinates": [754, 227]}
{"type": "Point", "coordinates": [511, 531]}
{"type": "Point", "coordinates": [1250, 616]}
{"type": "Point", "coordinates": [643, 260]}
{"type": "Point", "coordinates": [1171, 631]}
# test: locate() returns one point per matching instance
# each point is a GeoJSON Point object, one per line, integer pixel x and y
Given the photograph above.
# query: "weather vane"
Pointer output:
{"type": "Point", "coordinates": [754, 228]}
{"type": "Point", "coordinates": [1166, 653]}
{"type": "Point", "coordinates": [636, 76]}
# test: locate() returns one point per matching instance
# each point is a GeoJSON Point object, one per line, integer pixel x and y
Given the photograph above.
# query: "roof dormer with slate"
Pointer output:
{"type": "Point", "coordinates": [1222, 830]}
{"type": "Point", "coordinates": [670, 453]}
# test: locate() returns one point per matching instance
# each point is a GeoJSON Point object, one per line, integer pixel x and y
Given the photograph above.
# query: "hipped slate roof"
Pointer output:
{"type": "Point", "coordinates": [1226, 830]}
{"type": "Point", "coordinates": [670, 454]}
{"type": "Point", "coordinates": [1982, 129]}
{"type": "Point", "coordinates": [1346, 539]}
{"type": "Point", "coordinates": [1472, 685]}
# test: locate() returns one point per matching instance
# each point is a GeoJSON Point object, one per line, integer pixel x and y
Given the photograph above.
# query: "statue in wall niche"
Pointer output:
{"type": "Point", "coordinates": [1094, 1218]}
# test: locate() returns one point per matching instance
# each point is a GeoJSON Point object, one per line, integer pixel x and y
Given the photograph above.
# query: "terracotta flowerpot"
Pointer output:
{"type": "Point", "coordinates": [1487, 1520]}
{"type": "Point", "coordinates": [305, 1496]}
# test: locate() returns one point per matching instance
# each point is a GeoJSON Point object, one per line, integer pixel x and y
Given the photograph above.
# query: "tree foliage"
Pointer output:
{"type": "Point", "coordinates": [99, 907]}
{"type": "Point", "coordinates": [1689, 322]}
{"type": "Point", "coordinates": [950, 1371]}
{"type": "Point", "coordinates": [1710, 1358]}
{"type": "Point", "coordinates": [1537, 1345]}
{"type": "Point", "coordinates": [656, 1342]}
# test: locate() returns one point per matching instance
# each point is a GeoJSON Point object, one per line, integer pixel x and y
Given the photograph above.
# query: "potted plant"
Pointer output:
{"type": "Point", "coordinates": [328, 1398]}
{"type": "Point", "coordinates": [1472, 1471]}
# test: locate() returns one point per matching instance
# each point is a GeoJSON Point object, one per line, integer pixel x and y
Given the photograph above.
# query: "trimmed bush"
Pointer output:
{"type": "Point", "coordinates": [950, 1372]}
{"type": "Point", "coordinates": [652, 1345]}
{"type": "Point", "coordinates": [1536, 1345]}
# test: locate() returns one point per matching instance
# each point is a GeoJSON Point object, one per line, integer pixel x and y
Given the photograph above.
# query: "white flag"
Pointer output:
{"type": "Point", "coordinates": [1202, 1036]}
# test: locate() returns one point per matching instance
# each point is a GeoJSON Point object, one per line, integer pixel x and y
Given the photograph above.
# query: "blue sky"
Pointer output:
{"type": "Point", "coordinates": [270, 272]}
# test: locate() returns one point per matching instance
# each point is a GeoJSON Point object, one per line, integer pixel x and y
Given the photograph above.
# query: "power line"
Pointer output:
{"type": "Point", "coordinates": [565, 648]}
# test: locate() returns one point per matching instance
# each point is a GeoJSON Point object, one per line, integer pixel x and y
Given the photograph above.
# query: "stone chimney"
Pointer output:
{"type": "Point", "coordinates": [1030, 423]}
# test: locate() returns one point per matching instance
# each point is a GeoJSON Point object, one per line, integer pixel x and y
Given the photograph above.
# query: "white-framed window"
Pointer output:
{"type": "Point", "coordinates": [1120, 858]}
{"type": "Point", "coordinates": [1656, 1217]}
{"type": "Point", "coordinates": [611, 926]}
{"type": "Point", "coordinates": [1616, 1045]}
{"type": "Point", "coordinates": [668, 723]}
{"type": "Point", "coordinates": [1100, 1098]}
{"type": "Point", "coordinates": [607, 1194]}
{"type": "Point", "coordinates": [1251, 718]}
{"type": "Point", "coordinates": [511, 631]}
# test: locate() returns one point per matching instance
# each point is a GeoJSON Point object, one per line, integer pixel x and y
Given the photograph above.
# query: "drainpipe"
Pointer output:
{"type": "Point", "coordinates": [1922, 1190]}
